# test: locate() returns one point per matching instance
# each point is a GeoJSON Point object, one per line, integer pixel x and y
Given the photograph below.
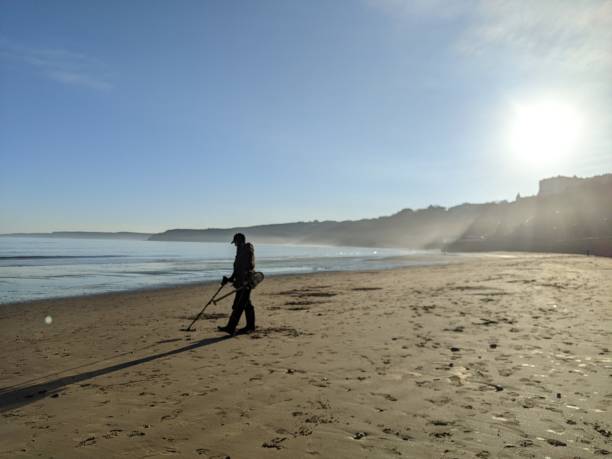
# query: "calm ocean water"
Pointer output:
{"type": "Point", "coordinates": [35, 268]}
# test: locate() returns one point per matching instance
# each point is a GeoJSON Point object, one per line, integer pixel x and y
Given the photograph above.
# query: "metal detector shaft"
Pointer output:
{"type": "Point", "coordinates": [215, 301]}
{"type": "Point", "coordinates": [212, 300]}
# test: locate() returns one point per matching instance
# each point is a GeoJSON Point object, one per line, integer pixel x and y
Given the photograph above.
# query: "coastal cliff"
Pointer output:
{"type": "Point", "coordinates": [568, 215]}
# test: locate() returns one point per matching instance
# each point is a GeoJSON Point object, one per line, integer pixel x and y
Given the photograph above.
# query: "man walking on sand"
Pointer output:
{"type": "Point", "coordinates": [244, 265]}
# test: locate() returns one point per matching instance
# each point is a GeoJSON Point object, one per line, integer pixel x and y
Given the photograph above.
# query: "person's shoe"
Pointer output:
{"type": "Point", "coordinates": [246, 330]}
{"type": "Point", "coordinates": [225, 329]}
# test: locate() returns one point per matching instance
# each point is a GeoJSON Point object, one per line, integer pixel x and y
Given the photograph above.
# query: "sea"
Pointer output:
{"type": "Point", "coordinates": [33, 268]}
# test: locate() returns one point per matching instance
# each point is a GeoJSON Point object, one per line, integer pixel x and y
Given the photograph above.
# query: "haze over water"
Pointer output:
{"type": "Point", "coordinates": [37, 268]}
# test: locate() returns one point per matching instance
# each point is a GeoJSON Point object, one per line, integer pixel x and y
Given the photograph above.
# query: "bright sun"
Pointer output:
{"type": "Point", "coordinates": [544, 131]}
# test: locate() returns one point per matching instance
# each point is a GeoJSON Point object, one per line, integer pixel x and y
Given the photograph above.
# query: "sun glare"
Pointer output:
{"type": "Point", "coordinates": [545, 131]}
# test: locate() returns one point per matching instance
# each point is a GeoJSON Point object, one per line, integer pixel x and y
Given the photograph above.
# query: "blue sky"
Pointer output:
{"type": "Point", "coordinates": [149, 115]}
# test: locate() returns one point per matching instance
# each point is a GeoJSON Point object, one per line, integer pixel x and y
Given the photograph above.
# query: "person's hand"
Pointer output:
{"type": "Point", "coordinates": [225, 280]}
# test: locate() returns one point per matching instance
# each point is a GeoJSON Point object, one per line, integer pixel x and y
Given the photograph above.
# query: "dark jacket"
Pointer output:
{"type": "Point", "coordinates": [244, 263]}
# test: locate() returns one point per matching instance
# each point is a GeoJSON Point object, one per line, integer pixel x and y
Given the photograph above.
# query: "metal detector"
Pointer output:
{"type": "Point", "coordinates": [253, 280]}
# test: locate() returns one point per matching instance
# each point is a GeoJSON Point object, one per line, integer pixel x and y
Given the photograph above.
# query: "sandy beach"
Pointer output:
{"type": "Point", "coordinates": [497, 356]}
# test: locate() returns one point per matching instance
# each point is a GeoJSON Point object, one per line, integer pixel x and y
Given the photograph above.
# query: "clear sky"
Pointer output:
{"type": "Point", "coordinates": [149, 115]}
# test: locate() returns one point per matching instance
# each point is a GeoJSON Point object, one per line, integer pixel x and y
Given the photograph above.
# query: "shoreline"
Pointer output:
{"type": "Point", "coordinates": [497, 356]}
{"type": "Point", "coordinates": [458, 257]}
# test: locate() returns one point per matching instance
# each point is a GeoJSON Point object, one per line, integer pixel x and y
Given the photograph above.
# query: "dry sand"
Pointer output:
{"type": "Point", "coordinates": [492, 357]}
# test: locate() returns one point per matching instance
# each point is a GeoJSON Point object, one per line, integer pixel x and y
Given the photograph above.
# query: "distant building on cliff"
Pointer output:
{"type": "Point", "coordinates": [560, 184]}
{"type": "Point", "coordinates": [556, 185]}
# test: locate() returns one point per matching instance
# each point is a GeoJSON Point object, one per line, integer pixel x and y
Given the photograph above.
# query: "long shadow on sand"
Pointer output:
{"type": "Point", "coordinates": [16, 397]}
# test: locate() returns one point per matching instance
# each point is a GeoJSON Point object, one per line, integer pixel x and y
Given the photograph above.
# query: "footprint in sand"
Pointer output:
{"type": "Point", "coordinates": [397, 433]}
{"type": "Point", "coordinates": [88, 441]}
{"type": "Point", "coordinates": [316, 419]}
{"type": "Point", "coordinates": [389, 397]}
{"type": "Point", "coordinates": [274, 443]}
{"type": "Point", "coordinates": [302, 431]}
{"type": "Point", "coordinates": [112, 433]}
{"type": "Point", "coordinates": [441, 435]}
{"type": "Point", "coordinates": [208, 455]}
{"type": "Point", "coordinates": [437, 422]}
{"type": "Point", "coordinates": [173, 415]}
{"type": "Point", "coordinates": [439, 401]}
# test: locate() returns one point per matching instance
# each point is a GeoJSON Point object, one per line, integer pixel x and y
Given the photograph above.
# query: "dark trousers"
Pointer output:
{"type": "Point", "coordinates": [242, 302]}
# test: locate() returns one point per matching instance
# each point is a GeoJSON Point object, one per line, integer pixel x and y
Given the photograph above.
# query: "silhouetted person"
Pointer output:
{"type": "Point", "coordinates": [244, 265]}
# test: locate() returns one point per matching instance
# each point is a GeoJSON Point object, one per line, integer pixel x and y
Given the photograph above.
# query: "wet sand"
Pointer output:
{"type": "Point", "coordinates": [493, 357]}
